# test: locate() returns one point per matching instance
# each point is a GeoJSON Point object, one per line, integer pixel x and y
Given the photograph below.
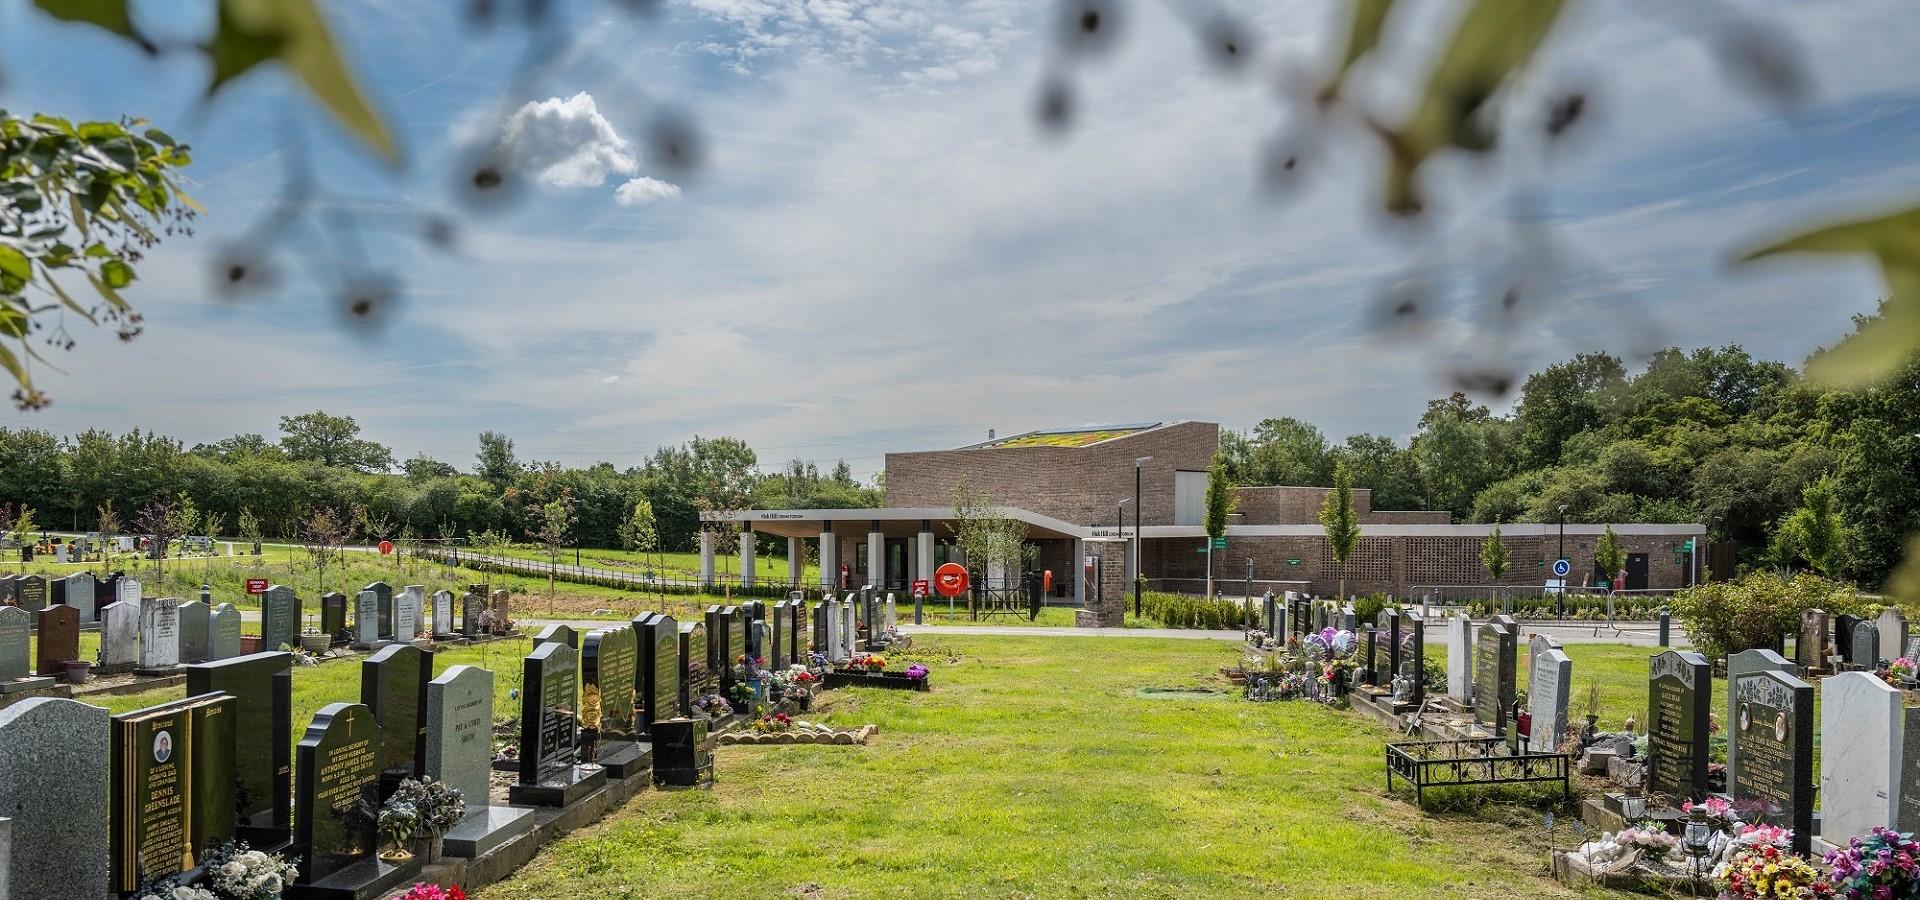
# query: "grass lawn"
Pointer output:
{"type": "Point", "coordinates": [1033, 770]}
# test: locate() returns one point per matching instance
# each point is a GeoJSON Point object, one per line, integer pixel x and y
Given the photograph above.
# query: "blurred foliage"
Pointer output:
{"type": "Point", "coordinates": [1878, 348]}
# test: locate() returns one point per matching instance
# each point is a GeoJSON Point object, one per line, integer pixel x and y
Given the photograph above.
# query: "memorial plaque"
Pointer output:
{"type": "Point", "coordinates": [223, 640]}
{"type": "Point", "coordinates": [337, 769]}
{"type": "Point", "coordinates": [196, 631]}
{"type": "Point", "coordinates": [393, 684]}
{"type": "Point", "coordinates": [1773, 727]}
{"type": "Point", "coordinates": [261, 685]}
{"type": "Point", "coordinates": [59, 811]}
{"type": "Point", "coordinates": [30, 592]}
{"type": "Point", "coordinates": [172, 787]}
{"type": "Point", "coordinates": [609, 662]}
{"type": "Point", "coordinates": [1494, 662]}
{"type": "Point", "coordinates": [1679, 701]}
{"type": "Point", "coordinates": [333, 618]}
{"type": "Point", "coordinates": [59, 627]}
{"type": "Point", "coordinates": [659, 639]}
{"type": "Point", "coordinates": [383, 594]}
{"type": "Point", "coordinates": [279, 618]}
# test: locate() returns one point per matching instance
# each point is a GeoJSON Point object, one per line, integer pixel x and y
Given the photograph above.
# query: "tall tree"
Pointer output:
{"type": "Point", "coordinates": [1493, 556]}
{"type": "Point", "coordinates": [495, 462]}
{"type": "Point", "coordinates": [423, 467]}
{"type": "Point", "coordinates": [1563, 400]}
{"type": "Point", "coordinates": [1608, 554]}
{"type": "Point", "coordinates": [1340, 522]}
{"type": "Point", "coordinates": [332, 441]}
{"type": "Point", "coordinates": [1815, 533]}
{"type": "Point", "coordinates": [1219, 507]}
{"type": "Point", "coordinates": [323, 535]}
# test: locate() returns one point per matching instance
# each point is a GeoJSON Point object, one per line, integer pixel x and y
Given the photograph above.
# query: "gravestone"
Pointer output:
{"type": "Point", "coordinates": [1494, 661]}
{"type": "Point", "coordinates": [1843, 636]}
{"type": "Point", "coordinates": [1393, 622]}
{"type": "Point", "coordinates": [609, 662]}
{"type": "Point", "coordinates": [127, 590]}
{"type": "Point", "coordinates": [1892, 626]}
{"type": "Point", "coordinates": [829, 630]}
{"type": "Point", "coordinates": [502, 609]}
{"type": "Point", "coordinates": [16, 647]}
{"type": "Point", "coordinates": [261, 685]}
{"type": "Point", "coordinates": [696, 677]}
{"type": "Point", "coordinates": [550, 773]}
{"type": "Point", "coordinates": [460, 754]}
{"type": "Point", "coordinates": [1679, 702]}
{"type": "Point", "coordinates": [781, 635]}
{"type": "Point", "coordinates": [383, 595]}
{"type": "Point", "coordinates": [1539, 644]}
{"type": "Point", "coordinates": [889, 616]}
{"type": "Point", "coordinates": [1865, 646]}
{"type": "Point", "coordinates": [1859, 788]}
{"type": "Point", "coordinates": [223, 633]}
{"type": "Point", "coordinates": [1370, 671]}
{"type": "Point", "coordinates": [279, 618]}
{"type": "Point", "coordinates": [8, 597]}
{"type": "Point", "coordinates": [159, 636]}
{"type": "Point", "coordinates": [336, 770]}
{"type": "Point", "coordinates": [797, 638]}
{"type": "Point", "coordinates": [196, 638]}
{"type": "Point", "coordinates": [1771, 775]}
{"type": "Point", "coordinates": [30, 592]}
{"type": "Point", "coordinates": [1460, 659]}
{"type": "Point", "coordinates": [366, 621]}
{"type": "Point", "coordinates": [444, 625]}
{"type": "Point", "coordinates": [472, 607]}
{"type": "Point", "coordinates": [409, 608]}
{"type": "Point", "coordinates": [847, 640]}
{"type": "Point", "coordinates": [659, 670]}
{"type": "Point", "coordinates": [720, 647]}
{"type": "Point", "coordinates": [393, 683]}
{"type": "Point", "coordinates": [1810, 647]}
{"type": "Point", "coordinates": [59, 810]}
{"type": "Point", "coordinates": [172, 787]}
{"type": "Point", "coordinates": [1549, 681]}
{"type": "Point", "coordinates": [1413, 656]}
{"type": "Point", "coordinates": [333, 618]}
{"type": "Point", "coordinates": [563, 634]}
{"type": "Point", "coordinates": [1743, 663]}
{"type": "Point", "coordinates": [119, 636]}
{"type": "Point", "coordinates": [59, 627]}
{"type": "Point", "coordinates": [81, 594]}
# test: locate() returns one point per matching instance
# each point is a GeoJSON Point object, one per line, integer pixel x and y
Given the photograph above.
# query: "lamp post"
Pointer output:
{"type": "Point", "coordinates": [1560, 602]}
{"type": "Point", "coordinates": [1138, 571]}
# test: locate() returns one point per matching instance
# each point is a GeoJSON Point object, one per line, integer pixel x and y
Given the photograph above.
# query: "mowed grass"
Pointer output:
{"type": "Point", "coordinates": [1032, 770]}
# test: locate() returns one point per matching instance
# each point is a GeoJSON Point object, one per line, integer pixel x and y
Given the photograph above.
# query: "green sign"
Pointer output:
{"type": "Point", "coordinates": [1293, 562]}
{"type": "Point", "coordinates": [1220, 543]}
{"type": "Point", "coordinates": [1685, 548]}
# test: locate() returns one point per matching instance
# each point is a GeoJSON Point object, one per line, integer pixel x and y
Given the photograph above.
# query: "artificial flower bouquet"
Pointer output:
{"type": "Point", "coordinates": [237, 872]}
{"type": "Point", "coordinates": [917, 672]}
{"type": "Point", "coordinates": [773, 724]}
{"type": "Point", "coordinates": [1900, 670]}
{"type": "Point", "coordinates": [424, 891]}
{"type": "Point", "coordinates": [1767, 871]}
{"type": "Point", "coordinates": [1884, 865]}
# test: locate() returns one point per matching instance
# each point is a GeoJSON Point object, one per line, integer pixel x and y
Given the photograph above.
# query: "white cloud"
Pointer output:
{"type": "Point", "coordinates": [644, 190]}
{"type": "Point", "coordinates": [566, 143]}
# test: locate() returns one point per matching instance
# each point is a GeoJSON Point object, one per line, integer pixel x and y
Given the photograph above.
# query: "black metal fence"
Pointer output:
{"type": "Point", "coordinates": [1473, 762]}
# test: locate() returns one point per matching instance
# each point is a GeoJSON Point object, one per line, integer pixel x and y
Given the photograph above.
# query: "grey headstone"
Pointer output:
{"type": "Point", "coordinates": [279, 618]}
{"type": "Point", "coordinates": [366, 619]}
{"type": "Point", "coordinates": [196, 632]}
{"type": "Point", "coordinates": [1460, 659]}
{"type": "Point", "coordinates": [57, 806]}
{"type": "Point", "coordinates": [1859, 788]}
{"type": "Point", "coordinates": [460, 730]}
{"type": "Point", "coordinates": [80, 595]}
{"type": "Point", "coordinates": [1865, 647]}
{"type": "Point", "coordinates": [16, 627]}
{"type": "Point", "coordinates": [127, 590]}
{"type": "Point", "coordinates": [1893, 633]}
{"type": "Point", "coordinates": [443, 620]}
{"type": "Point", "coordinates": [160, 634]}
{"type": "Point", "coordinates": [1738, 664]}
{"type": "Point", "coordinates": [408, 607]}
{"type": "Point", "coordinates": [1549, 682]}
{"type": "Point", "coordinates": [120, 634]}
{"type": "Point", "coordinates": [223, 633]}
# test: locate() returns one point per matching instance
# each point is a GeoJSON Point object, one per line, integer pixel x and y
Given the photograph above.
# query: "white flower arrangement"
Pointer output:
{"type": "Point", "coordinates": [240, 873]}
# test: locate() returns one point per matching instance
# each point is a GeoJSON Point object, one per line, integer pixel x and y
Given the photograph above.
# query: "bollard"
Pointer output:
{"type": "Point", "coordinates": [919, 602]}
{"type": "Point", "coordinates": [1665, 622]}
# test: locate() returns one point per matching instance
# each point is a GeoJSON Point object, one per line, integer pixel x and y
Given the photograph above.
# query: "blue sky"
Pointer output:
{"type": "Point", "coordinates": [882, 251]}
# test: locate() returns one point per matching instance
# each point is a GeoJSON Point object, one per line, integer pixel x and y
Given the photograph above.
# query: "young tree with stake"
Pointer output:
{"type": "Point", "coordinates": [1342, 524]}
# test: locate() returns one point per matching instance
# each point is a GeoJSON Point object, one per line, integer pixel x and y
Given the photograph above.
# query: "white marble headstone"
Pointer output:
{"type": "Point", "coordinates": [1893, 633]}
{"type": "Point", "coordinates": [443, 620]}
{"type": "Point", "coordinates": [160, 633]}
{"type": "Point", "coordinates": [127, 590]}
{"type": "Point", "coordinates": [407, 608]}
{"type": "Point", "coordinates": [1548, 684]}
{"type": "Point", "coordinates": [849, 638]}
{"type": "Point", "coordinates": [120, 634]}
{"type": "Point", "coordinates": [1861, 730]}
{"type": "Point", "coordinates": [1460, 659]}
{"type": "Point", "coordinates": [366, 619]}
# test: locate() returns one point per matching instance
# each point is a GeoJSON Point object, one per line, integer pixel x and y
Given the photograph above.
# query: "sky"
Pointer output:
{"type": "Point", "coordinates": [882, 248]}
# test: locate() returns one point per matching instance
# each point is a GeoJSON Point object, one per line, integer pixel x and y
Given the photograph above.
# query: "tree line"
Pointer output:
{"type": "Point", "coordinates": [1791, 471]}
{"type": "Point", "coordinates": [320, 462]}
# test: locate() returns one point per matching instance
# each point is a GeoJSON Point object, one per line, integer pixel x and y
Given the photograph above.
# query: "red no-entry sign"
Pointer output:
{"type": "Point", "coordinates": [386, 547]}
{"type": "Point", "coordinates": [950, 580]}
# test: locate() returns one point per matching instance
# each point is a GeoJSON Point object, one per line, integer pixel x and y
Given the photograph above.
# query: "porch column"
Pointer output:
{"type": "Point", "coordinates": [796, 560]}
{"type": "Point", "coordinates": [706, 557]}
{"type": "Point", "coordinates": [876, 555]}
{"type": "Point", "coordinates": [747, 572]}
{"type": "Point", "coordinates": [1079, 572]}
{"type": "Point", "coordinates": [829, 558]}
{"type": "Point", "coordinates": [924, 568]}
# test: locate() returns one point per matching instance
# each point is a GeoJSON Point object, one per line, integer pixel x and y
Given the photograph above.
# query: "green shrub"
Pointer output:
{"type": "Point", "coordinates": [1757, 609]}
{"type": "Point", "coordinates": [1367, 607]}
{"type": "Point", "coordinates": [1183, 611]}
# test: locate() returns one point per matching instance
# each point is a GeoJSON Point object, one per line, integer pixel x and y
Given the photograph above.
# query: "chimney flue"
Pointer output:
{"type": "Point", "coordinates": [989, 434]}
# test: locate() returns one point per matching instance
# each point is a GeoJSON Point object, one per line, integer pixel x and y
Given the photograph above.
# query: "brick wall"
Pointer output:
{"type": "Point", "coordinates": [1289, 505]}
{"type": "Point", "coordinates": [1075, 484]}
{"type": "Point", "coordinates": [1110, 610]}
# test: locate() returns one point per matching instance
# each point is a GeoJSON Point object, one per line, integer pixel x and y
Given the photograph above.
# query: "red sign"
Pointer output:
{"type": "Point", "coordinates": [256, 585]}
{"type": "Point", "coordinates": [1046, 582]}
{"type": "Point", "coordinates": [386, 547]}
{"type": "Point", "coordinates": [950, 580]}
{"type": "Point", "coordinates": [920, 588]}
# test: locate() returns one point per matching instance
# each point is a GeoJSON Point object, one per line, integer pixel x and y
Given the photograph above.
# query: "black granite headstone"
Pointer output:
{"type": "Point", "coordinates": [1774, 728]}
{"type": "Point", "coordinates": [550, 770]}
{"type": "Point", "coordinates": [262, 687]}
{"type": "Point", "coordinates": [393, 684]}
{"type": "Point", "coordinates": [1679, 703]}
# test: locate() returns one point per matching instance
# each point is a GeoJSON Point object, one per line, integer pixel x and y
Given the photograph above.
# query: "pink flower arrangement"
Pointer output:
{"type": "Point", "coordinates": [1716, 808]}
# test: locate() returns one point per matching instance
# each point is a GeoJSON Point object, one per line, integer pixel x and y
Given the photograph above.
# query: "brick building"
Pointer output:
{"type": "Point", "coordinates": [1074, 490]}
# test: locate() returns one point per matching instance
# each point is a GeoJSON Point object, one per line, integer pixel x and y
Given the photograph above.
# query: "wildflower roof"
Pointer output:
{"type": "Point", "coordinates": [1066, 437]}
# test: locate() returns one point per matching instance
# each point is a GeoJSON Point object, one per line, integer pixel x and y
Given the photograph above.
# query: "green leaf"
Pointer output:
{"type": "Point", "coordinates": [252, 31]}
{"type": "Point", "coordinates": [1879, 345]}
{"type": "Point", "coordinates": [1368, 18]}
{"type": "Point", "coordinates": [108, 14]}
{"type": "Point", "coordinates": [14, 263]}
{"type": "Point", "coordinates": [109, 294]}
{"type": "Point", "coordinates": [1495, 39]}
{"type": "Point", "coordinates": [116, 273]}
{"type": "Point", "coordinates": [98, 251]}
{"type": "Point", "coordinates": [12, 364]}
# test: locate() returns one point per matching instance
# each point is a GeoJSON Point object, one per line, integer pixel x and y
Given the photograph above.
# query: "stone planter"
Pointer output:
{"type": "Point", "coordinates": [249, 643]}
{"type": "Point", "coordinates": [315, 643]}
{"type": "Point", "coordinates": [428, 849]}
{"type": "Point", "coordinates": [76, 670]}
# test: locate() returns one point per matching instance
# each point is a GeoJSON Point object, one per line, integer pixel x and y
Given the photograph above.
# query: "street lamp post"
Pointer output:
{"type": "Point", "coordinates": [1560, 604]}
{"type": "Point", "coordinates": [1138, 573]}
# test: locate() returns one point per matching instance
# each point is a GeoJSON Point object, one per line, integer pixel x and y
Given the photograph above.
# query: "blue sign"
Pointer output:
{"type": "Point", "coordinates": [1562, 566]}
